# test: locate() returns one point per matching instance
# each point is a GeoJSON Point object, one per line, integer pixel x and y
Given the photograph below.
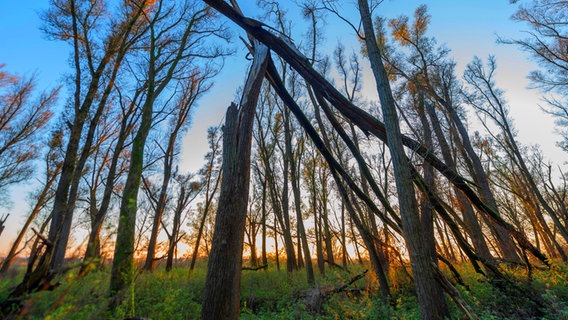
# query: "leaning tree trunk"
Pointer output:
{"type": "Point", "coordinates": [428, 290]}
{"type": "Point", "coordinates": [504, 239]}
{"type": "Point", "coordinates": [43, 197]}
{"type": "Point", "coordinates": [469, 217]}
{"type": "Point", "coordinates": [426, 209]}
{"type": "Point", "coordinates": [221, 298]}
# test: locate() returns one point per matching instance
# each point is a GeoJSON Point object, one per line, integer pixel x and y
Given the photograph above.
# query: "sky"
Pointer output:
{"type": "Point", "coordinates": [467, 27]}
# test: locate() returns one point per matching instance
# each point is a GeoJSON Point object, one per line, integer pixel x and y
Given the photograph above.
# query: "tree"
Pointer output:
{"type": "Point", "coordinates": [371, 125]}
{"type": "Point", "coordinates": [428, 71]}
{"type": "Point", "coordinates": [267, 138]}
{"type": "Point", "coordinates": [23, 118]}
{"type": "Point", "coordinates": [187, 192]}
{"type": "Point", "coordinates": [167, 59]}
{"type": "Point", "coordinates": [98, 211]}
{"type": "Point", "coordinates": [52, 160]}
{"type": "Point", "coordinates": [486, 98]}
{"type": "Point", "coordinates": [193, 88]}
{"type": "Point", "coordinates": [546, 42]}
{"type": "Point", "coordinates": [432, 305]}
{"type": "Point", "coordinates": [211, 174]}
{"type": "Point", "coordinates": [96, 58]}
{"type": "Point", "coordinates": [221, 298]}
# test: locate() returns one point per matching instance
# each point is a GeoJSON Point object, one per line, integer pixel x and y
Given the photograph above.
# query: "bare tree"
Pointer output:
{"type": "Point", "coordinates": [187, 192]}
{"type": "Point", "coordinates": [22, 118]}
{"type": "Point", "coordinates": [52, 161]}
{"type": "Point", "coordinates": [425, 283]}
{"type": "Point", "coordinates": [211, 174]}
{"type": "Point", "coordinates": [96, 58]}
{"type": "Point", "coordinates": [193, 88]}
{"type": "Point", "coordinates": [98, 211]}
{"type": "Point", "coordinates": [488, 100]}
{"type": "Point", "coordinates": [546, 43]}
{"type": "Point", "coordinates": [190, 24]}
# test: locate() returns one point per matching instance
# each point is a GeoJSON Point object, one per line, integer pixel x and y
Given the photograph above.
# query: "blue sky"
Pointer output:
{"type": "Point", "coordinates": [467, 27]}
{"type": "Point", "coordinates": [25, 50]}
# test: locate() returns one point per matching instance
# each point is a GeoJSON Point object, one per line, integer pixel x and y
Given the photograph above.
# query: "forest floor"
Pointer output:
{"type": "Point", "coordinates": [273, 294]}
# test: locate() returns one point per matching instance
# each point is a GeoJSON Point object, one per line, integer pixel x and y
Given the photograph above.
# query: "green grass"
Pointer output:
{"type": "Point", "coordinates": [275, 295]}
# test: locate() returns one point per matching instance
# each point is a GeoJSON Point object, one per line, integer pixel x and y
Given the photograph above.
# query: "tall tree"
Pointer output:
{"type": "Point", "coordinates": [195, 85]}
{"type": "Point", "coordinates": [97, 58]}
{"type": "Point", "coordinates": [432, 305]}
{"type": "Point", "coordinates": [189, 23]}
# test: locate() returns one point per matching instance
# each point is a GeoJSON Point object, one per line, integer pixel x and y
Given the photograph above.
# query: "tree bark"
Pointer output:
{"type": "Point", "coordinates": [221, 298]}
{"type": "Point", "coordinates": [428, 290]}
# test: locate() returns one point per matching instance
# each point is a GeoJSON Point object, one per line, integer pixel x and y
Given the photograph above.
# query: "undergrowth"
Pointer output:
{"type": "Point", "coordinates": [274, 294]}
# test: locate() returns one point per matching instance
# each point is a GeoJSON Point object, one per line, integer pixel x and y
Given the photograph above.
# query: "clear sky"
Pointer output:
{"type": "Point", "coordinates": [467, 27]}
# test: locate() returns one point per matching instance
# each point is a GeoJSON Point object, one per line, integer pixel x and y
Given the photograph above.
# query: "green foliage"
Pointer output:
{"type": "Point", "coordinates": [276, 295]}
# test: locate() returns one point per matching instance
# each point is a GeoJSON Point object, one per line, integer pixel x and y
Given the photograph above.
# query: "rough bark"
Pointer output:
{"type": "Point", "coordinates": [428, 290]}
{"type": "Point", "coordinates": [221, 298]}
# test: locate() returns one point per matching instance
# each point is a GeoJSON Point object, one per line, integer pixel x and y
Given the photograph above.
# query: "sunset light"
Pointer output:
{"type": "Point", "coordinates": [309, 159]}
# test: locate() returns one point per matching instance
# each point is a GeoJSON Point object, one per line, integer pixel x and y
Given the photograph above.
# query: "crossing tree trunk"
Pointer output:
{"type": "Point", "coordinates": [428, 290]}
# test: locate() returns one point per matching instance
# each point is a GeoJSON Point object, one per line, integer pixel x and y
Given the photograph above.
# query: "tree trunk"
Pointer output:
{"type": "Point", "coordinates": [150, 264]}
{"type": "Point", "coordinates": [209, 194]}
{"type": "Point", "coordinates": [43, 197]}
{"type": "Point", "coordinates": [428, 290]}
{"type": "Point", "coordinates": [93, 244]}
{"type": "Point", "coordinates": [295, 177]}
{"type": "Point", "coordinates": [504, 239]}
{"type": "Point", "coordinates": [344, 255]}
{"type": "Point", "coordinates": [426, 210]}
{"type": "Point", "coordinates": [469, 217]}
{"type": "Point", "coordinates": [122, 273]}
{"type": "Point", "coordinates": [182, 203]}
{"type": "Point", "coordinates": [362, 119]}
{"type": "Point", "coordinates": [221, 298]}
{"type": "Point", "coordinates": [264, 223]}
